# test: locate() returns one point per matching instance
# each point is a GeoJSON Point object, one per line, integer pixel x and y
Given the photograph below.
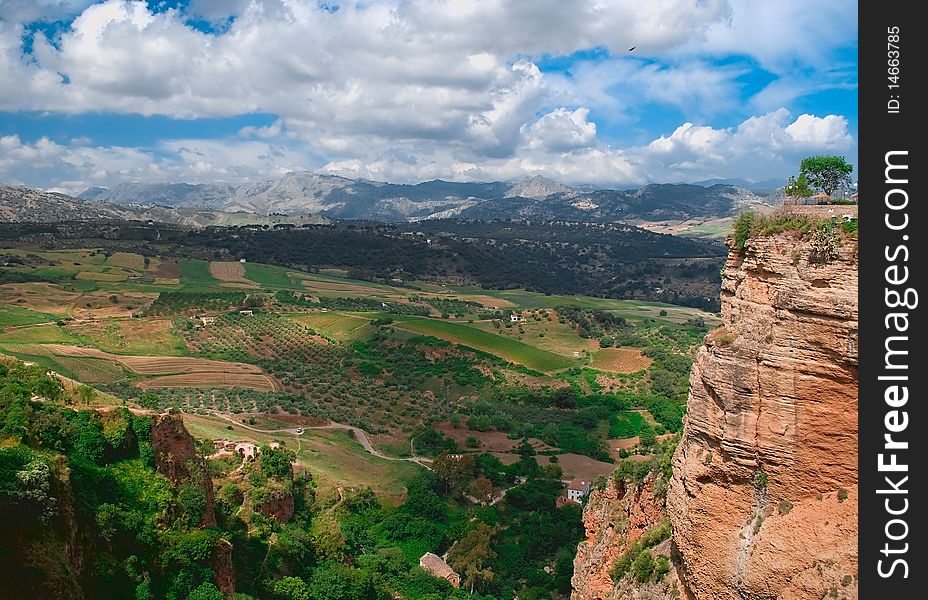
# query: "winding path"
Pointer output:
{"type": "Point", "coordinates": [359, 434]}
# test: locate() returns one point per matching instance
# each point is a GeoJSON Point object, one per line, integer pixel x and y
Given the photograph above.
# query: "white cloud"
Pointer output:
{"type": "Point", "coordinates": [561, 130]}
{"type": "Point", "coordinates": [760, 147]}
{"type": "Point", "coordinates": [415, 89]}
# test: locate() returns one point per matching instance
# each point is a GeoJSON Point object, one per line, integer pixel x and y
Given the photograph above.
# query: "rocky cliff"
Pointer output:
{"type": "Point", "coordinates": [763, 499]}
{"type": "Point", "coordinates": [176, 458]}
{"type": "Point", "coordinates": [615, 518]}
{"type": "Point", "coordinates": [764, 495]}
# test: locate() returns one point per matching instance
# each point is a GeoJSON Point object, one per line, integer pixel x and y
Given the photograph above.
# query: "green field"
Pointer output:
{"type": "Point", "coordinates": [632, 310]}
{"type": "Point", "coordinates": [338, 326]}
{"type": "Point", "coordinates": [16, 316]}
{"type": "Point", "coordinates": [548, 335]}
{"type": "Point", "coordinates": [272, 277]}
{"type": "Point", "coordinates": [508, 349]}
{"type": "Point", "coordinates": [40, 334]}
{"type": "Point", "coordinates": [195, 274]}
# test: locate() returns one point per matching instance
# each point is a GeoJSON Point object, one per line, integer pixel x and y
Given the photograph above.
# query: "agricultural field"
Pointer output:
{"type": "Point", "coordinates": [49, 333]}
{"type": "Point", "coordinates": [388, 359]}
{"type": "Point", "coordinates": [91, 370]}
{"type": "Point", "coordinates": [129, 336]}
{"type": "Point", "coordinates": [271, 277]}
{"type": "Point", "coordinates": [228, 271]}
{"type": "Point", "coordinates": [542, 330]}
{"type": "Point", "coordinates": [128, 260]}
{"type": "Point", "coordinates": [506, 348]}
{"type": "Point", "coordinates": [620, 360]}
{"type": "Point", "coordinates": [196, 274]}
{"type": "Point", "coordinates": [212, 379]}
{"type": "Point", "coordinates": [17, 316]}
{"type": "Point", "coordinates": [335, 325]}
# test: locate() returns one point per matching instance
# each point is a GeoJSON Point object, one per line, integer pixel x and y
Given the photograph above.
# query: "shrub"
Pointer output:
{"type": "Point", "coordinates": [661, 567]}
{"type": "Point", "coordinates": [760, 479]}
{"type": "Point", "coordinates": [785, 506]}
{"type": "Point", "coordinates": [824, 241]}
{"type": "Point", "coordinates": [744, 226]}
{"type": "Point", "coordinates": [842, 494]}
{"type": "Point", "coordinates": [643, 566]}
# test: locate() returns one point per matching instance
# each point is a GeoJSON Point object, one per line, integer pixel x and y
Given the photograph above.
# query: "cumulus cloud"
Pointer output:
{"type": "Point", "coordinates": [561, 130]}
{"type": "Point", "coordinates": [561, 144]}
{"type": "Point", "coordinates": [409, 90]}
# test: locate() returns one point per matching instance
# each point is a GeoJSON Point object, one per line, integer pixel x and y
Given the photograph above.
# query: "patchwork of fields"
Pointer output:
{"type": "Point", "coordinates": [365, 360]}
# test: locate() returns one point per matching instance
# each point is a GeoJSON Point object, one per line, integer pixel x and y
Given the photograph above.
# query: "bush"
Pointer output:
{"type": "Point", "coordinates": [842, 494]}
{"type": "Point", "coordinates": [643, 566]}
{"type": "Point", "coordinates": [785, 506]}
{"type": "Point", "coordinates": [661, 567]}
{"type": "Point", "coordinates": [744, 226]}
{"type": "Point", "coordinates": [760, 479]}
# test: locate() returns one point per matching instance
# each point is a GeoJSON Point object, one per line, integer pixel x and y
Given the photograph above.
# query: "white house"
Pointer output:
{"type": "Point", "coordinates": [208, 320]}
{"type": "Point", "coordinates": [577, 489]}
{"type": "Point", "coordinates": [514, 318]}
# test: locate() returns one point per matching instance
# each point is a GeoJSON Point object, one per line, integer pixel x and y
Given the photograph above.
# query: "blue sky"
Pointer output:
{"type": "Point", "coordinates": [94, 93]}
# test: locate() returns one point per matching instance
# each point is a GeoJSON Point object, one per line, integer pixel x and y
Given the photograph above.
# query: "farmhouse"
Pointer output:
{"type": "Point", "coordinates": [245, 450]}
{"type": "Point", "coordinates": [208, 320]}
{"type": "Point", "coordinates": [439, 568]}
{"type": "Point", "coordinates": [514, 318]}
{"type": "Point", "coordinates": [577, 489]}
{"type": "Point", "coordinates": [246, 311]}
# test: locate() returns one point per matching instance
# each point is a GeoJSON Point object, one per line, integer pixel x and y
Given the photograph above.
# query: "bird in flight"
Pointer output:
{"type": "Point", "coordinates": [632, 48]}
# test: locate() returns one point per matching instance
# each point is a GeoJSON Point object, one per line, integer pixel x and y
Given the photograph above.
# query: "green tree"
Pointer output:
{"type": "Point", "coordinates": [206, 591]}
{"type": "Point", "coordinates": [291, 588]}
{"type": "Point", "coordinates": [471, 555]}
{"type": "Point", "coordinates": [798, 187]}
{"type": "Point", "coordinates": [276, 462]}
{"type": "Point", "coordinates": [643, 566]}
{"type": "Point", "coordinates": [85, 394]}
{"type": "Point", "coordinates": [454, 472]}
{"type": "Point", "coordinates": [827, 173]}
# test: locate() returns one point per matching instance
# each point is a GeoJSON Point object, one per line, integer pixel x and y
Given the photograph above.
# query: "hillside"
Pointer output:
{"type": "Point", "coordinates": [119, 445]}
{"type": "Point", "coordinates": [612, 261]}
{"type": "Point", "coordinates": [535, 198]}
{"type": "Point", "coordinates": [20, 204]}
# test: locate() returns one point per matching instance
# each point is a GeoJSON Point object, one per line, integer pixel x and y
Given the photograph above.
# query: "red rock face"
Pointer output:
{"type": "Point", "coordinates": [770, 439]}
{"type": "Point", "coordinates": [280, 507]}
{"type": "Point", "coordinates": [176, 458]}
{"type": "Point", "coordinates": [221, 563]}
{"type": "Point", "coordinates": [614, 519]}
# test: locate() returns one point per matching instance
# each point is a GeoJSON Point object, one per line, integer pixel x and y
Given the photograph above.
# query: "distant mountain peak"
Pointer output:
{"type": "Point", "coordinates": [538, 187]}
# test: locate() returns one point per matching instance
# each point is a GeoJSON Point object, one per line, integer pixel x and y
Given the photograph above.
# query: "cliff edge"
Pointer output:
{"type": "Point", "coordinates": [763, 500]}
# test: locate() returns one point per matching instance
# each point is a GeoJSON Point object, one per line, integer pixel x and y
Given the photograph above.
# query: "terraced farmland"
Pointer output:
{"type": "Point", "coordinates": [252, 381]}
{"type": "Point", "coordinates": [91, 370]}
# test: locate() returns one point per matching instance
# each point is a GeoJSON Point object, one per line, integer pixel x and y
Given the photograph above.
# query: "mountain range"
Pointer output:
{"type": "Point", "coordinates": [332, 196]}
{"type": "Point", "coordinates": [19, 203]}
{"type": "Point", "coordinates": [306, 197]}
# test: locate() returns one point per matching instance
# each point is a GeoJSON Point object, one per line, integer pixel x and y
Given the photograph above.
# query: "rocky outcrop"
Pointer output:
{"type": "Point", "coordinates": [221, 565]}
{"type": "Point", "coordinates": [614, 519]}
{"type": "Point", "coordinates": [176, 458]}
{"type": "Point", "coordinates": [764, 496]}
{"type": "Point", "coordinates": [279, 506]}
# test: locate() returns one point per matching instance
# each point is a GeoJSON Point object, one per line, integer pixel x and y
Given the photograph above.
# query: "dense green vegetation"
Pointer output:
{"type": "Point", "coordinates": [96, 477]}
{"type": "Point", "coordinates": [612, 261]}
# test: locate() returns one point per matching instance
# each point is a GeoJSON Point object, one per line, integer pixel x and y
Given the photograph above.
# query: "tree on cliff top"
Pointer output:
{"type": "Point", "coordinates": [827, 173]}
{"type": "Point", "coordinates": [798, 187]}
